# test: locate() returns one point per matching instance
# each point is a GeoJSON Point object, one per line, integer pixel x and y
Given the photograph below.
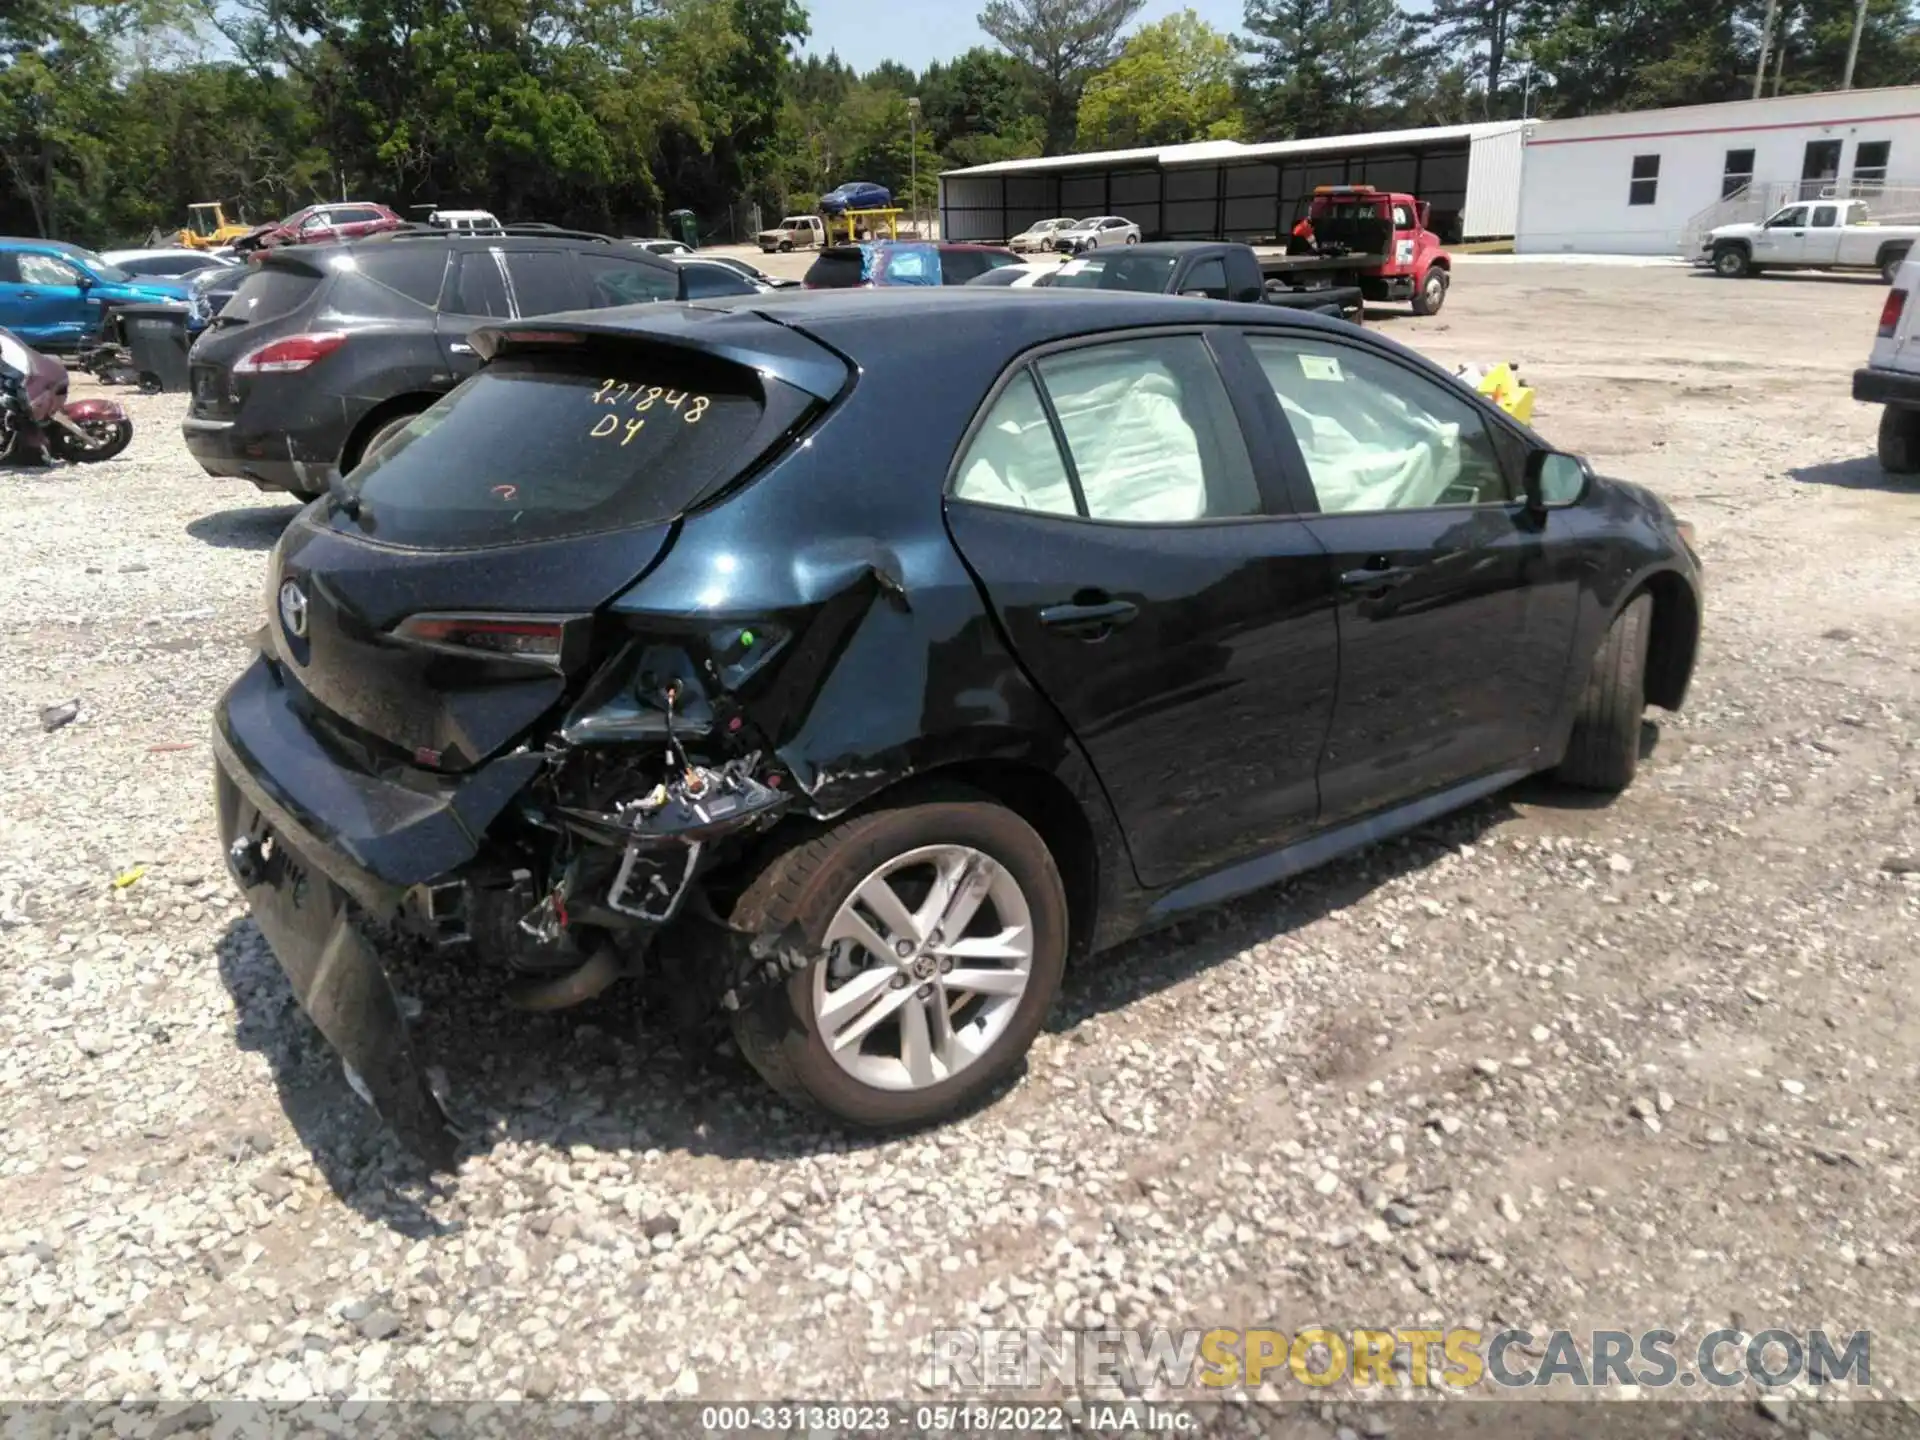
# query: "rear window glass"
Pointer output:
{"type": "Point", "coordinates": [544, 446]}
{"type": "Point", "coordinates": [416, 271]}
{"type": "Point", "coordinates": [269, 293]}
{"type": "Point", "coordinates": [835, 270]}
{"type": "Point", "coordinates": [1148, 274]}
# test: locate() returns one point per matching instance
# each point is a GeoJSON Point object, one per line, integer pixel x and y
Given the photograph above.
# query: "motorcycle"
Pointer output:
{"type": "Point", "coordinates": [37, 419]}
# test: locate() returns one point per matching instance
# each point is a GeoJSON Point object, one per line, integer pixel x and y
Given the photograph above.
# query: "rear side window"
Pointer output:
{"type": "Point", "coordinates": [1148, 428]}
{"type": "Point", "coordinates": [543, 446]}
{"type": "Point", "coordinates": [269, 293]}
{"type": "Point", "coordinates": [479, 288]}
{"type": "Point", "coordinates": [959, 266]}
{"type": "Point", "coordinates": [835, 270]}
{"type": "Point", "coordinates": [614, 280]}
{"type": "Point", "coordinates": [541, 282]}
{"type": "Point", "coordinates": [415, 271]}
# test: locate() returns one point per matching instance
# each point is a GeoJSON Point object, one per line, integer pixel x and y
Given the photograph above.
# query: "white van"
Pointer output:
{"type": "Point", "coordinates": [467, 220]}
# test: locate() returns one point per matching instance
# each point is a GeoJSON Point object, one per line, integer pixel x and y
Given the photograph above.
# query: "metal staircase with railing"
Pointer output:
{"type": "Point", "coordinates": [1891, 202]}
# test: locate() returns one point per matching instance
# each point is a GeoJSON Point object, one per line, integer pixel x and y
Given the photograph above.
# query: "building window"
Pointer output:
{"type": "Point", "coordinates": [1870, 166]}
{"type": "Point", "coordinates": [1646, 180]}
{"type": "Point", "coordinates": [1738, 175]}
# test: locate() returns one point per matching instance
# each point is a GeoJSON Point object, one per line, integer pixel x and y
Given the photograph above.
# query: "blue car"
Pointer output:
{"type": "Point", "coordinates": [52, 294]}
{"type": "Point", "coordinates": [855, 195]}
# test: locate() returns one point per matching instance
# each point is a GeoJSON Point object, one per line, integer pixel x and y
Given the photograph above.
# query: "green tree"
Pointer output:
{"type": "Point", "coordinates": [1173, 82]}
{"type": "Point", "coordinates": [1289, 80]}
{"type": "Point", "coordinates": [1063, 43]}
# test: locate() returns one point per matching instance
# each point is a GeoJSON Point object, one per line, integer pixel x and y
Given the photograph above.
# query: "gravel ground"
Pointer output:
{"type": "Point", "coordinates": [1641, 1064]}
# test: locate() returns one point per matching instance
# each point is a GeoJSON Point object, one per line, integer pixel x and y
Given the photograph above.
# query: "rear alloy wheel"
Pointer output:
{"type": "Point", "coordinates": [1603, 752]}
{"type": "Point", "coordinates": [1432, 293]}
{"type": "Point", "coordinates": [1133, 239]}
{"type": "Point", "coordinates": [1899, 446]}
{"type": "Point", "coordinates": [941, 935]}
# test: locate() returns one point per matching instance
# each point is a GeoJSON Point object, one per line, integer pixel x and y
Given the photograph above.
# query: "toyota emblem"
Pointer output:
{"type": "Point", "coordinates": [293, 609]}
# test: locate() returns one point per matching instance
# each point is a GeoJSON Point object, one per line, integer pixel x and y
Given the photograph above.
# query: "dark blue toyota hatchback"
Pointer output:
{"type": "Point", "coordinates": [845, 662]}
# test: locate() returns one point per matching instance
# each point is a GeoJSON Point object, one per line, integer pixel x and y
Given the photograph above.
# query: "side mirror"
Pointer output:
{"type": "Point", "coordinates": [1555, 481]}
{"type": "Point", "coordinates": [84, 280]}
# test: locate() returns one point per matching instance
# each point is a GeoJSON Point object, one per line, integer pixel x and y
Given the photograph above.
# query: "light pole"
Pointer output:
{"type": "Point", "coordinates": [913, 160]}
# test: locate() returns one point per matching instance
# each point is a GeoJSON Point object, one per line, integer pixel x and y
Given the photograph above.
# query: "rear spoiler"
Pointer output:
{"type": "Point", "coordinates": [740, 336]}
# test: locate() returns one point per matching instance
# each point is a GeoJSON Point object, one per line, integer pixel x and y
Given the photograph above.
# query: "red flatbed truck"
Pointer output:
{"type": "Point", "coordinates": [1378, 240]}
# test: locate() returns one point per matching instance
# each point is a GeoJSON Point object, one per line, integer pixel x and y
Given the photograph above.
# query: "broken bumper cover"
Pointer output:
{"type": "Point", "coordinates": [303, 833]}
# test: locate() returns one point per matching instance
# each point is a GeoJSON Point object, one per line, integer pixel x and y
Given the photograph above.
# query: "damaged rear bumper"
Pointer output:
{"type": "Point", "coordinates": [303, 834]}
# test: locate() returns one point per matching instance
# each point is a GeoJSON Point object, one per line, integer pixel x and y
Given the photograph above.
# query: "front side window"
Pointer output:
{"type": "Point", "coordinates": [1645, 184]}
{"type": "Point", "coordinates": [1789, 219]}
{"type": "Point", "coordinates": [614, 281]}
{"type": "Point", "coordinates": [1376, 435]}
{"type": "Point", "coordinates": [1208, 278]}
{"type": "Point", "coordinates": [45, 270]}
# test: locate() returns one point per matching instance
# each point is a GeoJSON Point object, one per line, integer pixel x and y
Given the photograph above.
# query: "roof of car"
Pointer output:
{"type": "Point", "coordinates": [1163, 247]}
{"type": "Point", "coordinates": [460, 239]}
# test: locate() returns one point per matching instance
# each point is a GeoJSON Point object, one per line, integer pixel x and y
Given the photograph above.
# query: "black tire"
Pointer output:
{"type": "Point", "coordinates": [1432, 293]}
{"type": "Point", "coordinates": [381, 434]}
{"type": "Point", "coordinates": [1603, 752]}
{"type": "Point", "coordinates": [1133, 239]}
{"type": "Point", "coordinates": [1732, 262]}
{"type": "Point", "coordinates": [786, 247]}
{"type": "Point", "coordinates": [64, 445]}
{"type": "Point", "coordinates": [1899, 446]}
{"type": "Point", "coordinates": [1890, 264]}
{"type": "Point", "coordinates": [805, 886]}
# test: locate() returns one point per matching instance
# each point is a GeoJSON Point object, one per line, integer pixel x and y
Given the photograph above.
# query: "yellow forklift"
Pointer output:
{"type": "Point", "coordinates": [208, 228]}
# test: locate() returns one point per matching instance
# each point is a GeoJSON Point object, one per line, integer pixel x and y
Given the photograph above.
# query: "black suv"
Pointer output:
{"type": "Point", "coordinates": [326, 351]}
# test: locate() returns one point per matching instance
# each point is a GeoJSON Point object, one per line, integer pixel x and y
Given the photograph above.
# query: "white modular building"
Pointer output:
{"type": "Point", "coordinates": [1652, 182]}
{"type": "Point", "coordinates": [1223, 189]}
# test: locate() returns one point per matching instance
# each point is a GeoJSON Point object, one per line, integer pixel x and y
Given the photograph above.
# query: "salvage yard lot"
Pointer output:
{"type": "Point", "coordinates": [1547, 1063]}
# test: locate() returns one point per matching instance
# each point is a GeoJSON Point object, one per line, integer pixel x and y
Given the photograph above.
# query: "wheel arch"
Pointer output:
{"type": "Point", "coordinates": [411, 402]}
{"type": "Point", "coordinates": [1083, 854]}
{"type": "Point", "coordinates": [1892, 250]}
{"type": "Point", "coordinates": [1674, 642]}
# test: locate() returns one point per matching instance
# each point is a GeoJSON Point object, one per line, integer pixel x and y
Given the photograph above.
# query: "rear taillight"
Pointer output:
{"type": "Point", "coordinates": [537, 638]}
{"type": "Point", "coordinates": [295, 352]}
{"type": "Point", "coordinates": [1891, 311]}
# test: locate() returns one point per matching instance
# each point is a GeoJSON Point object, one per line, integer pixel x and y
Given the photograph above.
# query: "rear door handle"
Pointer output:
{"type": "Point", "coordinates": [1382, 577]}
{"type": "Point", "coordinates": [1091, 620]}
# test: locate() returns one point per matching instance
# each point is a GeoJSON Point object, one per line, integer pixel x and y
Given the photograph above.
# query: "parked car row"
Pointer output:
{"type": "Point", "coordinates": [1074, 236]}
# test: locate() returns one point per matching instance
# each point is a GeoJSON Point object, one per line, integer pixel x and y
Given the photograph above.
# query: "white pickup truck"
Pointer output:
{"type": "Point", "coordinates": [1891, 377]}
{"type": "Point", "coordinates": [795, 232]}
{"type": "Point", "coordinates": [1810, 235]}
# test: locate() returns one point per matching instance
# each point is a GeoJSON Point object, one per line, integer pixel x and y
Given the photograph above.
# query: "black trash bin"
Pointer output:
{"type": "Point", "coordinates": [156, 341]}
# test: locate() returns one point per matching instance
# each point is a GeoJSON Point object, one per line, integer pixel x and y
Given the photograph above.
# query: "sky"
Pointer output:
{"type": "Point", "coordinates": [915, 32]}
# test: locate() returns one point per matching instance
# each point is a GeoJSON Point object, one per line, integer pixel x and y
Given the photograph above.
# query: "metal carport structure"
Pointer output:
{"type": "Point", "coordinates": [1222, 189]}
